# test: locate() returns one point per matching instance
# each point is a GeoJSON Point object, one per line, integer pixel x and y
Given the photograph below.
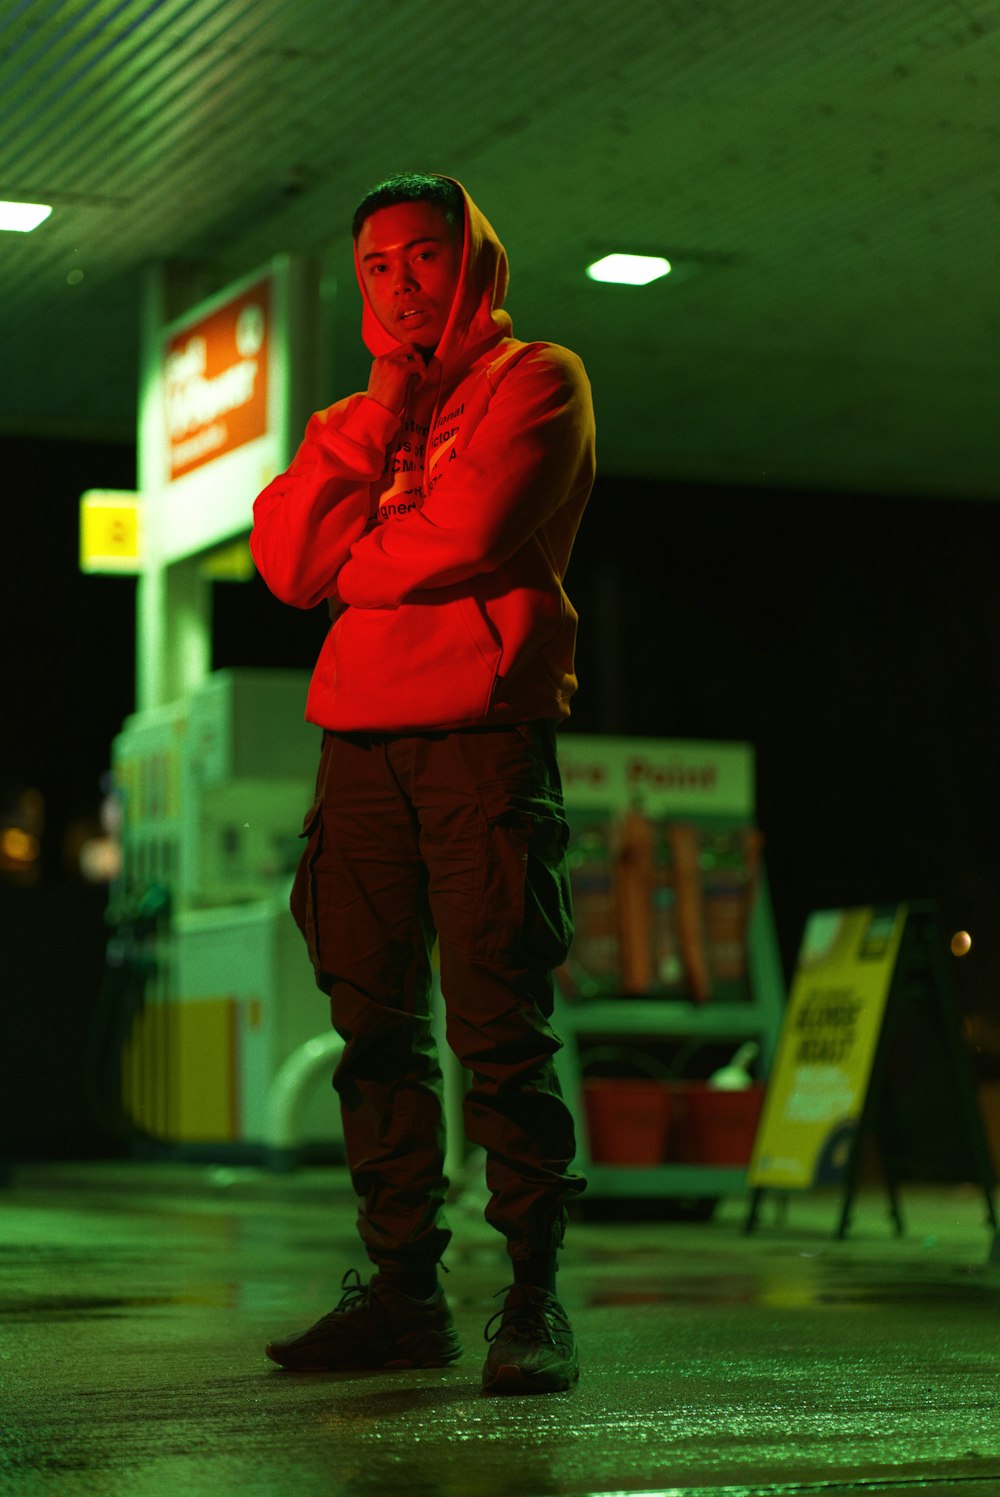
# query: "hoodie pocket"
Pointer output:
{"type": "Point", "coordinates": [524, 906]}
{"type": "Point", "coordinates": [408, 668]}
{"type": "Point", "coordinates": [481, 632]}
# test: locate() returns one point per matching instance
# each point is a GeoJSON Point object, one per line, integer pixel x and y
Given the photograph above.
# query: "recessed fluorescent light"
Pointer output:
{"type": "Point", "coordinates": [629, 270]}
{"type": "Point", "coordinates": [23, 216]}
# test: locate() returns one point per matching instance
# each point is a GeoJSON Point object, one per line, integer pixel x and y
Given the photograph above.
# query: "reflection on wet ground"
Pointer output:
{"type": "Point", "coordinates": [973, 1281]}
{"type": "Point", "coordinates": [136, 1301]}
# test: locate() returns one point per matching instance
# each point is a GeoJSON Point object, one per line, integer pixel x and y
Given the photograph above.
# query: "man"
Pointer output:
{"type": "Point", "coordinates": [435, 513]}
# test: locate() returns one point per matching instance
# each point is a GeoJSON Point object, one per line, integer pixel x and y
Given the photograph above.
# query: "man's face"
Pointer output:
{"type": "Point", "coordinates": [410, 257]}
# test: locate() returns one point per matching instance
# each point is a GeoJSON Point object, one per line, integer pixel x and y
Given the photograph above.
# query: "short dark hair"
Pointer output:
{"type": "Point", "coordinates": [412, 187]}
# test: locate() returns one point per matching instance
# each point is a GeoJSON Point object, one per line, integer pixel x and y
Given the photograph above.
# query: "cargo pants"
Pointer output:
{"type": "Point", "coordinates": [461, 835]}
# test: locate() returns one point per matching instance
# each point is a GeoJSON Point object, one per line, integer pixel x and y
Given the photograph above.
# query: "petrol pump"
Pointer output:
{"type": "Point", "coordinates": [218, 1012]}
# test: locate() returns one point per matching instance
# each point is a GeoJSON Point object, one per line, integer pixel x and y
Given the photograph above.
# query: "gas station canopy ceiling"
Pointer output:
{"type": "Point", "coordinates": [824, 177]}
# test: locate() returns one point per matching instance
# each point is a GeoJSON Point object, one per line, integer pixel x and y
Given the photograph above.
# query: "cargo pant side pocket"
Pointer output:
{"type": "Point", "coordinates": [524, 906]}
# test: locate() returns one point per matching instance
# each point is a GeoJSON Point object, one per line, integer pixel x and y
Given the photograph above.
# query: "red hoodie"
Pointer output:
{"type": "Point", "coordinates": [441, 537]}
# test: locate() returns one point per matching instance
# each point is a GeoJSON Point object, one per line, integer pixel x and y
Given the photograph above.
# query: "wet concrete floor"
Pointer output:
{"type": "Point", "coordinates": [136, 1300]}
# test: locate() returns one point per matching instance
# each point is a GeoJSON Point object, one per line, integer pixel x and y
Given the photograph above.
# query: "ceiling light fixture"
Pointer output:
{"type": "Point", "coordinates": [629, 270]}
{"type": "Point", "coordinates": [23, 217]}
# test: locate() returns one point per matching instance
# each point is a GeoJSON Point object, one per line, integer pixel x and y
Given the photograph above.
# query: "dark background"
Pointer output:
{"type": "Point", "coordinates": [854, 640]}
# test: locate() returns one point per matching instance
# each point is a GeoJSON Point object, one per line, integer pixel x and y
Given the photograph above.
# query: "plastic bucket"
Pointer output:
{"type": "Point", "coordinates": [628, 1119]}
{"type": "Point", "coordinates": [716, 1126]}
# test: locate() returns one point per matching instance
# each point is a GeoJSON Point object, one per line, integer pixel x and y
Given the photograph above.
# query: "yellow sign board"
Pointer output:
{"type": "Point", "coordinates": [110, 531]}
{"type": "Point", "coordinates": [828, 1040]}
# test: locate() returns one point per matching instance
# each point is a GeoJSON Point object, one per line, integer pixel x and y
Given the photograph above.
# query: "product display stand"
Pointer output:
{"type": "Point", "coordinates": [646, 815]}
{"type": "Point", "coordinates": [648, 1019]}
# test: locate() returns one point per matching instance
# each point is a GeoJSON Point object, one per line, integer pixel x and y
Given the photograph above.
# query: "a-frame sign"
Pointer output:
{"type": "Point", "coordinates": [862, 975]}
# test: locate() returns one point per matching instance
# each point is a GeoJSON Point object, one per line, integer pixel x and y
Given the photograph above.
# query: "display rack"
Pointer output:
{"type": "Point", "coordinates": [702, 785]}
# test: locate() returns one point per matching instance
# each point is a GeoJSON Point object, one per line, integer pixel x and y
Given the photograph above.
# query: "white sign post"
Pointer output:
{"type": "Point", "coordinates": [220, 408]}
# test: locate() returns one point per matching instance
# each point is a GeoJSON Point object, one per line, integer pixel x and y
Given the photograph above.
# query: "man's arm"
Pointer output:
{"type": "Point", "coordinates": [307, 518]}
{"type": "Point", "coordinates": [532, 448]}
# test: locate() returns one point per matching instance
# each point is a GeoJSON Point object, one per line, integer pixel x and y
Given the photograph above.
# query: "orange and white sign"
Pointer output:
{"type": "Point", "coordinates": [215, 377]}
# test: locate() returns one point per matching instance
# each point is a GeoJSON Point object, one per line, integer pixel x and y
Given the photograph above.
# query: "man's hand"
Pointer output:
{"type": "Point", "coordinates": [392, 377]}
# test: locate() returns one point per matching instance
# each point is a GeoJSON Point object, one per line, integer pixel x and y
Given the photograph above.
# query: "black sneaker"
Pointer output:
{"type": "Point", "coordinates": [375, 1325]}
{"type": "Point", "coordinates": [534, 1349]}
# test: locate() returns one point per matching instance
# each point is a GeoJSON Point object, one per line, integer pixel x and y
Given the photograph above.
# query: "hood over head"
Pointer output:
{"type": "Point", "coordinates": [476, 316]}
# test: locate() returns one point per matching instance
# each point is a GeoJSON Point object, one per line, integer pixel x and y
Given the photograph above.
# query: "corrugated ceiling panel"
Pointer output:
{"type": "Point", "coordinates": [843, 155]}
